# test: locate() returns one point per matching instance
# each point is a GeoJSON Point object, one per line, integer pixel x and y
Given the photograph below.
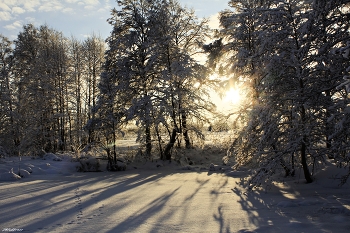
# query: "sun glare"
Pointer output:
{"type": "Point", "coordinates": [233, 96]}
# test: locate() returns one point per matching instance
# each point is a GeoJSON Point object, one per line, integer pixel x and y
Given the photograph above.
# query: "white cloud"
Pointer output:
{"type": "Point", "coordinates": [17, 10]}
{"type": "Point", "coordinates": [5, 16]}
{"type": "Point", "coordinates": [92, 2]}
{"type": "Point", "coordinates": [11, 2]}
{"type": "Point", "coordinates": [68, 10]}
{"type": "Point", "coordinates": [72, 1]}
{"type": "Point", "coordinates": [4, 7]}
{"type": "Point", "coordinates": [31, 20]}
{"type": "Point", "coordinates": [51, 6]}
{"type": "Point", "coordinates": [31, 5]}
{"type": "Point", "coordinates": [89, 7]}
{"type": "Point", "coordinates": [14, 26]}
{"type": "Point", "coordinates": [101, 10]}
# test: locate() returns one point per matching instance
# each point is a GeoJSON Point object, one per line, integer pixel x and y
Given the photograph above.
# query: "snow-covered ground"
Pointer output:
{"type": "Point", "coordinates": [162, 197]}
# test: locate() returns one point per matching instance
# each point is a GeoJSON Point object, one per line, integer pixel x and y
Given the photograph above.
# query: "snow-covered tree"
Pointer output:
{"type": "Point", "coordinates": [180, 35]}
{"type": "Point", "coordinates": [150, 62]}
{"type": "Point", "coordinates": [93, 57]}
{"type": "Point", "coordinates": [293, 73]}
{"type": "Point", "coordinates": [48, 87]}
{"type": "Point", "coordinates": [39, 75]}
{"type": "Point", "coordinates": [75, 93]}
{"type": "Point", "coordinates": [7, 133]}
{"type": "Point", "coordinates": [25, 54]}
{"type": "Point", "coordinates": [341, 117]}
{"type": "Point", "coordinates": [132, 58]}
{"type": "Point", "coordinates": [109, 112]}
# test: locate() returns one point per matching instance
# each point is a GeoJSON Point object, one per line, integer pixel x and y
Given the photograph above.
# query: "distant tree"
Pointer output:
{"type": "Point", "coordinates": [39, 76]}
{"type": "Point", "coordinates": [93, 57]}
{"type": "Point", "coordinates": [75, 94]}
{"type": "Point", "coordinates": [25, 54]}
{"type": "Point", "coordinates": [109, 112]}
{"type": "Point", "coordinates": [8, 137]}
{"type": "Point", "coordinates": [48, 89]}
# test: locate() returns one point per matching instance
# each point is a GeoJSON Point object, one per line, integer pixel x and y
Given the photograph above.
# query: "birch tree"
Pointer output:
{"type": "Point", "coordinates": [39, 76]}
{"type": "Point", "coordinates": [8, 137]}
{"type": "Point", "coordinates": [93, 55]}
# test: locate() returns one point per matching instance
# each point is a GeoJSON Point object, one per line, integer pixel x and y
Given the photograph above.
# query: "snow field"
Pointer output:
{"type": "Point", "coordinates": [158, 196]}
{"type": "Point", "coordinates": [166, 198]}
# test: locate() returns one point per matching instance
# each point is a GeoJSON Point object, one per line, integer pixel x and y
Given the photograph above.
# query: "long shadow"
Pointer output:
{"type": "Point", "coordinates": [256, 210]}
{"type": "Point", "coordinates": [144, 213]}
{"type": "Point", "coordinates": [73, 210]}
{"type": "Point", "coordinates": [85, 196]}
{"type": "Point", "coordinates": [29, 206]}
{"type": "Point", "coordinates": [149, 213]}
{"type": "Point", "coordinates": [126, 181]}
{"type": "Point", "coordinates": [286, 211]}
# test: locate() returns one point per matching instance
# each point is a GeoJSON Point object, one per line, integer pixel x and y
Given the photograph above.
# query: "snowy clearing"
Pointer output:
{"type": "Point", "coordinates": [162, 197]}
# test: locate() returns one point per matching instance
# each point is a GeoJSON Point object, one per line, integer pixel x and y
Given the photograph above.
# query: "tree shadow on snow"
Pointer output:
{"type": "Point", "coordinates": [293, 210]}
{"type": "Point", "coordinates": [164, 201]}
{"type": "Point", "coordinates": [46, 205]}
{"type": "Point", "coordinates": [54, 204]}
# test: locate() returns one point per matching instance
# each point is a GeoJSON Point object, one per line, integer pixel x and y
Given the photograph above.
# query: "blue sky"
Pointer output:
{"type": "Point", "coordinates": [78, 18]}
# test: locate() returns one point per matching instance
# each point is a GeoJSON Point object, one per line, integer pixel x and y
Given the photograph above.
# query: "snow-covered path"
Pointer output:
{"type": "Point", "coordinates": [144, 200]}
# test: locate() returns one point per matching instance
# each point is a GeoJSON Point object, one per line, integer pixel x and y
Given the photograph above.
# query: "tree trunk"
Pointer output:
{"type": "Point", "coordinates": [114, 146]}
{"type": "Point", "coordinates": [110, 160]}
{"type": "Point", "coordinates": [148, 141]}
{"type": "Point", "coordinates": [307, 174]}
{"type": "Point", "coordinates": [170, 145]}
{"type": "Point", "coordinates": [159, 142]}
{"type": "Point", "coordinates": [185, 131]}
{"type": "Point", "coordinates": [329, 127]}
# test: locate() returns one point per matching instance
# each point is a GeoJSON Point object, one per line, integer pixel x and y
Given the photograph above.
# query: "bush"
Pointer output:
{"type": "Point", "coordinates": [88, 165]}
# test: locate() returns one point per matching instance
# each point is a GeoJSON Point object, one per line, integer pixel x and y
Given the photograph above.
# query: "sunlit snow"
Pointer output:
{"type": "Point", "coordinates": [159, 196]}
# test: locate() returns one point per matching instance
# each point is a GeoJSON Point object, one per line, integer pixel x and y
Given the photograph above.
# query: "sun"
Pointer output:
{"type": "Point", "coordinates": [233, 96]}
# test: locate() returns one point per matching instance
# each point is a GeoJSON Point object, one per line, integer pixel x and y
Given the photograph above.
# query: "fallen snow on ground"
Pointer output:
{"type": "Point", "coordinates": [158, 196]}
